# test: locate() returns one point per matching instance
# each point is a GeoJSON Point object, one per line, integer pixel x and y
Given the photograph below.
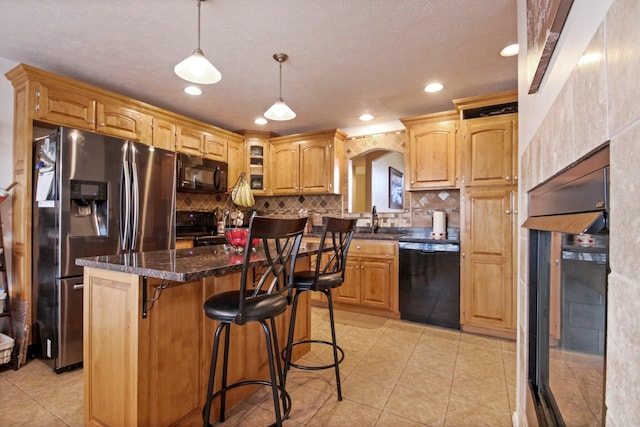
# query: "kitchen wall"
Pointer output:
{"type": "Point", "coordinates": [6, 153]}
{"type": "Point", "coordinates": [581, 104]}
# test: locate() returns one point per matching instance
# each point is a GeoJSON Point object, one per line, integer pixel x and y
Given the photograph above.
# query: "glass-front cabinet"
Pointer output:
{"type": "Point", "coordinates": [257, 161]}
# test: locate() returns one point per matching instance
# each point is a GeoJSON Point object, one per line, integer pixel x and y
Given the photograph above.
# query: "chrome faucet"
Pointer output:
{"type": "Point", "coordinates": [375, 222]}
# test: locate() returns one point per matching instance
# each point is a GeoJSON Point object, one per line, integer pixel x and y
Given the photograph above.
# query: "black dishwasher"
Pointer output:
{"type": "Point", "coordinates": [430, 283]}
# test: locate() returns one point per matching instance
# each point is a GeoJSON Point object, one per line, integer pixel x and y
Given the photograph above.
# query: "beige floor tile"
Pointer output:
{"type": "Point", "coordinates": [431, 343]}
{"type": "Point", "coordinates": [463, 413]}
{"type": "Point", "coordinates": [417, 405]}
{"type": "Point", "coordinates": [432, 381]}
{"type": "Point", "coordinates": [480, 369]}
{"type": "Point", "coordinates": [345, 413]}
{"type": "Point", "coordinates": [323, 381]}
{"type": "Point", "coordinates": [395, 373]}
{"type": "Point", "coordinates": [234, 415]}
{"type": "Point", "coordinates": [378, 367]}
{"type": "Point", "coordinates": [367, 390]}
{"type": "Point", "coordinates": [305, 402]}
{"type": "Point", "coordinates": [391, 420]}
{"type": "Point", "coordinates": [432, 360]}
{"type": "Point", "coordinates": [489, 394]}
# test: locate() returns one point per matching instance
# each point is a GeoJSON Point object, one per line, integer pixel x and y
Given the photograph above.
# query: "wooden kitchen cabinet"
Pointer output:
{"type": "Point", "coordinates": [64, 106]}
{"type": "Point", "coordinates": [285, 164]}
{"type": "Point", "coordinates": [432, 157]}
{"type": "Point", "coordinates": [163, 134]}
{"type": "Point", "coordinates": [235, 161]}
{"type": "Point", "coordinates": [123, 122]}
{"type": "Point", "coordinates": [490, 150]}
{"type": "Point", "coordinates": [189, 140]}
{"type": "Point", "coordinates": [75, 108]}
{"type": "Point", "coordinates": [367, 283]}
{"type": "Point", "coordinates": [257, 164]}
{"type": "Point", "coordinates": [214, 146]}
{"type": "Point", "coordinates": [306, 163]}
{"type": "Point", "coordinates": [371, 278]}
{"type": "Point", "coordinates": [488, 286]}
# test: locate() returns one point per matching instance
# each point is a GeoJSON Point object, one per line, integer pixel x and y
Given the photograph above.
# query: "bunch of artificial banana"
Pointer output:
{"type": "Point", "coordinates": [242, 196]}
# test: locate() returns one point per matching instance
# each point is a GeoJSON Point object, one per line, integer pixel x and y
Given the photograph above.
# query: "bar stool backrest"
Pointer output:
{"type": "Point", "coordinates": [334, 246]}
{"type": "Point", "coordinates": [280, 240]}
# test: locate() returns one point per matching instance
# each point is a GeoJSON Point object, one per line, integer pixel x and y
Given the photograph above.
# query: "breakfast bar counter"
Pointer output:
{"type": "Point", "coordinates": [147, 341]}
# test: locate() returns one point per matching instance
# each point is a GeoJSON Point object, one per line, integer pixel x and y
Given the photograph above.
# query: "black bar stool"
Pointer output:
{"type": "Point", "coordinates": [257, 301]}
{"type": "Point", "coordinates": [328, 274]}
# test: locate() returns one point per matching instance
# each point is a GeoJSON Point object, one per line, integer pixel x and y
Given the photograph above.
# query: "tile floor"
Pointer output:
{"type": "Point", "coordinates": [395, 373]}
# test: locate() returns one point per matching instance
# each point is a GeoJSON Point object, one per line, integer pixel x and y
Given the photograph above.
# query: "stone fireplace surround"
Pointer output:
{"type": "Point", "coordinates": [598, 102]}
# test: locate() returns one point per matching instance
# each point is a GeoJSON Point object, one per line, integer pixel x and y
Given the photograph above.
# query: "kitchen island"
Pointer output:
{"type": "Point", "coordinates": [147, 342]}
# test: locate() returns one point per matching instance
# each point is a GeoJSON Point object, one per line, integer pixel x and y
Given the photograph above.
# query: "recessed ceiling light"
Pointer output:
{"type": "Point", "coordinates": [260, 121]}
{"type": "Point", "coordinates": [433, 87]}
{"type": "Point", "coordinates": [511, 50]}
{"type": "Point", "coordinates": [366, 117]}
{"type": "Point", "coordinates": [193, 90]}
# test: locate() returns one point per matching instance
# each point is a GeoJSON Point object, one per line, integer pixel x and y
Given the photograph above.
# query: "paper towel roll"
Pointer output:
{"type": "Point", "coordinates": [439, 222]}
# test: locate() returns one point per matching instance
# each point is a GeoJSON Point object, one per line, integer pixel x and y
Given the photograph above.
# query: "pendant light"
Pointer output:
{"type": "Point", "coordinates": [197, 68]}
{"type": "Point", "coordinates": [279, 110]}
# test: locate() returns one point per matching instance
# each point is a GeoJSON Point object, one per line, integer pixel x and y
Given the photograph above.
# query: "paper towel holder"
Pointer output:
{"type": "Point", "coordinates": [439, 226]}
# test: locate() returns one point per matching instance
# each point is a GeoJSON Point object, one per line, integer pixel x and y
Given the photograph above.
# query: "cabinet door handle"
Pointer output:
{"type": "Point", "coordinates": [507, 178]}
{"type": "Point", "coordinates": [91, 122]}
{"type": "Point", "coordinates": [508, 211]}
{"type": "Point", "coordinates": [515, 177]}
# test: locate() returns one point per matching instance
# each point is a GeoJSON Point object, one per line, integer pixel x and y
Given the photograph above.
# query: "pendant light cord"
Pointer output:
{"type": "Point", "coordinates": [199, 2]}
{"type": "Point", "coordinates": [280, 79]}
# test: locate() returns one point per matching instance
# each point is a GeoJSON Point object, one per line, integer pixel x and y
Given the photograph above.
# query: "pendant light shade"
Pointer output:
{"type": "Point", "coordinates": [197, 68]}
{"type": "Point", "coordinates": [280, 110]}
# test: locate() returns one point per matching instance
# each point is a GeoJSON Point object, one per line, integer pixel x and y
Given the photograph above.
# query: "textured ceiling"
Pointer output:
{"type": "Point", "coordinates": [346, 57]}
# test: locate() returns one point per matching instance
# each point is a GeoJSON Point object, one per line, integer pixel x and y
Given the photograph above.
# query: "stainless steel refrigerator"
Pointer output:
{"type": "Point", "coordinates": [92, 195]}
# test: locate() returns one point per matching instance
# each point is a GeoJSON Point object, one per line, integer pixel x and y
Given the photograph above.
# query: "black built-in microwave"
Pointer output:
{"type": "Point", "coordinates": [200, 175]}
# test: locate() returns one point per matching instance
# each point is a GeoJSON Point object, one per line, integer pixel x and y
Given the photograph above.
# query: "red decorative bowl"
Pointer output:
{"type": "Point", "coordinates": [237, 237]}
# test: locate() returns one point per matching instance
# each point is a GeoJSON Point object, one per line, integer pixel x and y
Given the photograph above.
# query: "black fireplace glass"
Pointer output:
{"type": "Point", "coordinates": [569, 313]}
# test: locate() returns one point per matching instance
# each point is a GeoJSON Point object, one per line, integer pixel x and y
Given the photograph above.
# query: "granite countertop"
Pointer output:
{"type": "Point", "coordinates": [182, 265]}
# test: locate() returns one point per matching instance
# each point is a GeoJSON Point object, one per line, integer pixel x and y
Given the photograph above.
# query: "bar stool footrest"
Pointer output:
{"type": "Point", "coordinates": [314, 368]}
{"type": "Point", "coordinates": [287, 397]}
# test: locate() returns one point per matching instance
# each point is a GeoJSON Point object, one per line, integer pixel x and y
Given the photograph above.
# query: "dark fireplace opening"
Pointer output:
{"type": "Point", "coordinates": [568, 269]}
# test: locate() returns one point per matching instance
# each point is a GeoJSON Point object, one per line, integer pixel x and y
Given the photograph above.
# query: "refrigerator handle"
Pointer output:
{"type": "Point", "coordinates": [136, 207]}
{"type": "Point", "coordinates": [125, 206]}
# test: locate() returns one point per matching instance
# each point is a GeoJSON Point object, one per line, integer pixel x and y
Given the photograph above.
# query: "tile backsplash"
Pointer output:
{"type": "Point", "coordinates": [422, 204]}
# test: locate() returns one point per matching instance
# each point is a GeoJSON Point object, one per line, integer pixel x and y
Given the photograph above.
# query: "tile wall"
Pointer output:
{"type": "Point", "coordinates": [598, 103]}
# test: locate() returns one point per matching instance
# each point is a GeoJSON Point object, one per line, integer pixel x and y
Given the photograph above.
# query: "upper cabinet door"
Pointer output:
{"type": "Point", "coordinates": [490, 150]}
{"type": "Point", "coordinates": [316, 166]}
{"type": "Point", "coordinates": [432, 148]}
{"type": "Point", "coordinates": [235, 160]}
{"type": "Point", "coordinates": [215, 147]}
{"type": "Point", "coordinates": [189, 140]}
{"type": "Point", "coordinates": [123, 122]}
{"type": "Point", "coordinates": [257, 161]}
{"type": "Point", "coordinates": [65, 106]}
{"type": "Point", "coordinates": [285, 168]}
{"type": "Point", "coordinates": [164, 134]}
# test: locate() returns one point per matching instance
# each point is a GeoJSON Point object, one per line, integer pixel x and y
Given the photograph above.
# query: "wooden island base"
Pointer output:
{"type": "Point", "coordinates": [153, 371]}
